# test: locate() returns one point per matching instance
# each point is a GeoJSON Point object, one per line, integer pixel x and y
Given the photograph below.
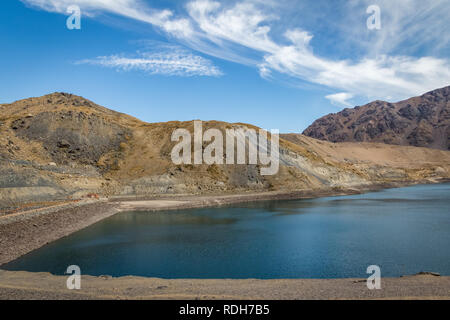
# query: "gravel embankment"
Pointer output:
{"type": "Point", "coordinates": [24, 232]}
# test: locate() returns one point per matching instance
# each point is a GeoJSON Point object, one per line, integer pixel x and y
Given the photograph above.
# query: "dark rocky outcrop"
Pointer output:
{"type": "Point", "coordinates": [72, 136]}
{"type": "Point", "coordinates": [421, 121]}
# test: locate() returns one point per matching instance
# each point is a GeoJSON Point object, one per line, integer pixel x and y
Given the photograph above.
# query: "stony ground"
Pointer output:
{"type": "Point", "coordinates": [23, 285]}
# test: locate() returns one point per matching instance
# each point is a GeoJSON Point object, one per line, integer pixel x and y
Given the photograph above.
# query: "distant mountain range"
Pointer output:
{"type": "Point", "coordinates": [420, 121]}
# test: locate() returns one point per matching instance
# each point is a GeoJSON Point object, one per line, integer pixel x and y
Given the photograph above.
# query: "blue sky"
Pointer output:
{"type": "Point", "coordinates": [278, 65]}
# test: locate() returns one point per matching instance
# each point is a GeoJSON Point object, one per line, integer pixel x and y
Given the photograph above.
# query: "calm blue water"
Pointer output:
{"type": "Point", "coordinates": [404, 231]}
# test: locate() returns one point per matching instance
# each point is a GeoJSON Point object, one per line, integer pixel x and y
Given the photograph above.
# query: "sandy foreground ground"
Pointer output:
{"type": "Point", "coordinates": [24, 285]}
{"type": "Point", "coordinates": [26, 231]}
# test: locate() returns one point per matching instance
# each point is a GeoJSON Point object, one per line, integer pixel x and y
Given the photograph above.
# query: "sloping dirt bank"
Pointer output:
{"type": "Point", "coordinates": [23, 232]}
{"type": "Point", "coordinates": [24, 285]}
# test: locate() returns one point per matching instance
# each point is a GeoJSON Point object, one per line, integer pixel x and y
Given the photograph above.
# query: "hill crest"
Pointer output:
{"type": "Point", "coordinates": [422, 121]}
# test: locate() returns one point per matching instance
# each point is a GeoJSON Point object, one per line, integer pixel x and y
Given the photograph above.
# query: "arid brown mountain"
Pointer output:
{"type": "Point", "coordinates": [61, 146]}
{"type": "Point", "coordinates": [421, 121]}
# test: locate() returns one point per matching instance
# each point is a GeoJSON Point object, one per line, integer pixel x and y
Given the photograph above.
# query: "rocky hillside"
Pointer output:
{"type": "Point", "coordinates": [61, 146]}
{"type": "Point", "coordinates": [421, 121]}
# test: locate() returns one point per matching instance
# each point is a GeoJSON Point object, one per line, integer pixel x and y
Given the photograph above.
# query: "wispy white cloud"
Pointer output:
{"type": "Point", "coordinates": [406, 57]}
{"type": "Point", "coordinates": [340, 99]}
{"type": "Point", "coordinates": [408, 26]}
{"type": "Point", "coordinates": [249, 25]}
{"type": "Point", "coordinates": [176, 62]}
{"type": "Point", "coordinates": [133, 9]}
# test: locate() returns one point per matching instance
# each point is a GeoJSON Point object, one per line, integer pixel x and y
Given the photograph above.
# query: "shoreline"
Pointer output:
{"type": "Point", "coordinates": [23, 232]}
{"type": "Point", "coordinates": [26, 231]}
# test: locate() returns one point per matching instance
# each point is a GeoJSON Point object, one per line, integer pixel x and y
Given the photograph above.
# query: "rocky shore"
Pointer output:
{"type": "Point", "coordinates": [24, 232]}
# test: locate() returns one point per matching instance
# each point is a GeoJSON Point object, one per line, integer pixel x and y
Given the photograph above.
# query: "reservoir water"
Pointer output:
{"type": "Point", "coordinates": [404, 231]}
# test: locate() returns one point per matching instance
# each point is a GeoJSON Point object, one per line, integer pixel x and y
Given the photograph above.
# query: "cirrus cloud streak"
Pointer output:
{"type": "Point", "coordinates": [176, 63]}
{"type": "Point", "coordinates": [255, 33]}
